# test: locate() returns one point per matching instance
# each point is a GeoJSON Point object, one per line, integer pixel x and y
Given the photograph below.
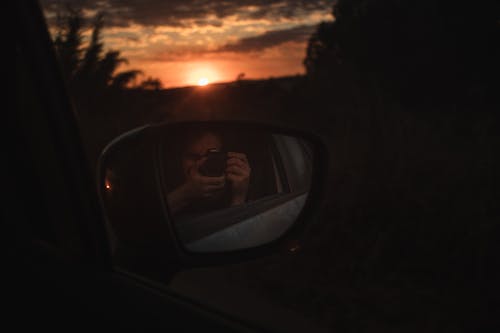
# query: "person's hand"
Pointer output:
{"type": "Point", "coordinates": [196, 186]}
{"type": "Point", "coordinates": [238, 174]}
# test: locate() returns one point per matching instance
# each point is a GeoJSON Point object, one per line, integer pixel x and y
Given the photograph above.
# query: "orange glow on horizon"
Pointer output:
{"type": "Point", "coordinates": [188, 72]}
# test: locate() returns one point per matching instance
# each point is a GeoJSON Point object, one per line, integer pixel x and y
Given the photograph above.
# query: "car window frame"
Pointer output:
{"type": "Point", "coordinates": [228, 217]}
{"type": "Point", "coordinates": [290, 174]}
{"type": "Point", "coordinates": [70, 170]}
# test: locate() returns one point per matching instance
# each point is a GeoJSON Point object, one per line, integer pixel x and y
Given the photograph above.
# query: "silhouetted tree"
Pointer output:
{"type": "Point", "coordinates": [123, 79]}
{"type": "Point", "coordinates": [320, 52]}
{"type": "Point", "coordinates": [68, 40]}
{"type": "Point", "coordinates": [240, 77]}
{"type": "Point", "coordinates": [87, 70]}
{"type": "Point", "coordinates": [106, 68]}
{"type": "Point", "coordinates": [151, 84]}
{"type": "Point", "coordinates": [431, 51]}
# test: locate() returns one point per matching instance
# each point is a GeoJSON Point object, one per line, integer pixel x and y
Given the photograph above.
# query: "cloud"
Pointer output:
{"type": "Point", "coordinates": [269, 39]}
{"type": "Point", "coordinates": [187, 13]}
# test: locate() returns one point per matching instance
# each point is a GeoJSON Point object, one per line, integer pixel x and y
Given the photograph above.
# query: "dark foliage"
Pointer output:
{"type": "Point", "coordinates": [417, 52]}
{"type": "Point", "coordinates": [87, 70]}
{"type": "Point", "coordinates": [405, 95]}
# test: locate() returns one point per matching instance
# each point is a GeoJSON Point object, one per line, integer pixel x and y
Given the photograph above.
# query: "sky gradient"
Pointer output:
{"type": "Point", "coordinates": [182, 41]}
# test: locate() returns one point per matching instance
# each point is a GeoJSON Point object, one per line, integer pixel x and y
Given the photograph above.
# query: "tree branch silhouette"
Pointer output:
{"type": "Point", "coordinates": [86, 69]}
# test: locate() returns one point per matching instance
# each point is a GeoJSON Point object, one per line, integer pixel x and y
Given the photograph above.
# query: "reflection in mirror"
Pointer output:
{"type": "Point", "coordinates": [233, 189]}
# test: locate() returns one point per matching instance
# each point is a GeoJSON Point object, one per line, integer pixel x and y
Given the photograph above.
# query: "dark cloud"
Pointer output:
{"type": "Point", "coordinates": [270, 39]}
{"type": "Point", "coordinates": [180, 12]}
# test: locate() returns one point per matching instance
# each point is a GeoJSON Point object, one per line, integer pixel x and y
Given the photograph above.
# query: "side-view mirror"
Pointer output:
{"type": "Point", "coordinates": [220, 190]}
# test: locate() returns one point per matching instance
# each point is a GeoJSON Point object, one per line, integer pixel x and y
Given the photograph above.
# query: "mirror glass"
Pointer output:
{"type": "Point", "coordinates": [231, 189]}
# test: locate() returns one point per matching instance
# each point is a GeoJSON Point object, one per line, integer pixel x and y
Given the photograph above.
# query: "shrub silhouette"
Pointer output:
{"type": "Point", "coordinates": [88, 69]}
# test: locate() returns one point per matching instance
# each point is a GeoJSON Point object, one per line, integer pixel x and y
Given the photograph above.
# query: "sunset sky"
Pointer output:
{"type": "Point", "coordinates": [184, 41]}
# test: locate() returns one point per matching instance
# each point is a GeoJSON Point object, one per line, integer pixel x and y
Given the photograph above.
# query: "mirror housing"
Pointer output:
{"type": "Point", "coordinates": [142, 229]}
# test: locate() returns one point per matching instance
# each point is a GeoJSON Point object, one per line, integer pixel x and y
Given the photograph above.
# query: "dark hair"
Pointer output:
{"type": "Point", "coordinates": [193, 134]}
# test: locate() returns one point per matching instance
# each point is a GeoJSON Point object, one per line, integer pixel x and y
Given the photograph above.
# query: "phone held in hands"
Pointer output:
{"type": "Point", "coordinates": [215, 164]}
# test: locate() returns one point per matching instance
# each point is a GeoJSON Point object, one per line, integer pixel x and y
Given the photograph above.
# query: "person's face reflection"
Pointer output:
{"type": "Point", "coordinates": [197, 149]}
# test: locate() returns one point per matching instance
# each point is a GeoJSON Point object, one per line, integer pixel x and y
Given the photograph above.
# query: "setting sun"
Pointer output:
{"type": "Point", "coordinates": [202, 74]}
{"type": "Point", "coordinates": [203, 81]}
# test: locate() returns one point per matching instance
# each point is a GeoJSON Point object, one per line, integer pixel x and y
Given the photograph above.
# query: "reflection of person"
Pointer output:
{"type": "Point", "coordinates": [207, 193]}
